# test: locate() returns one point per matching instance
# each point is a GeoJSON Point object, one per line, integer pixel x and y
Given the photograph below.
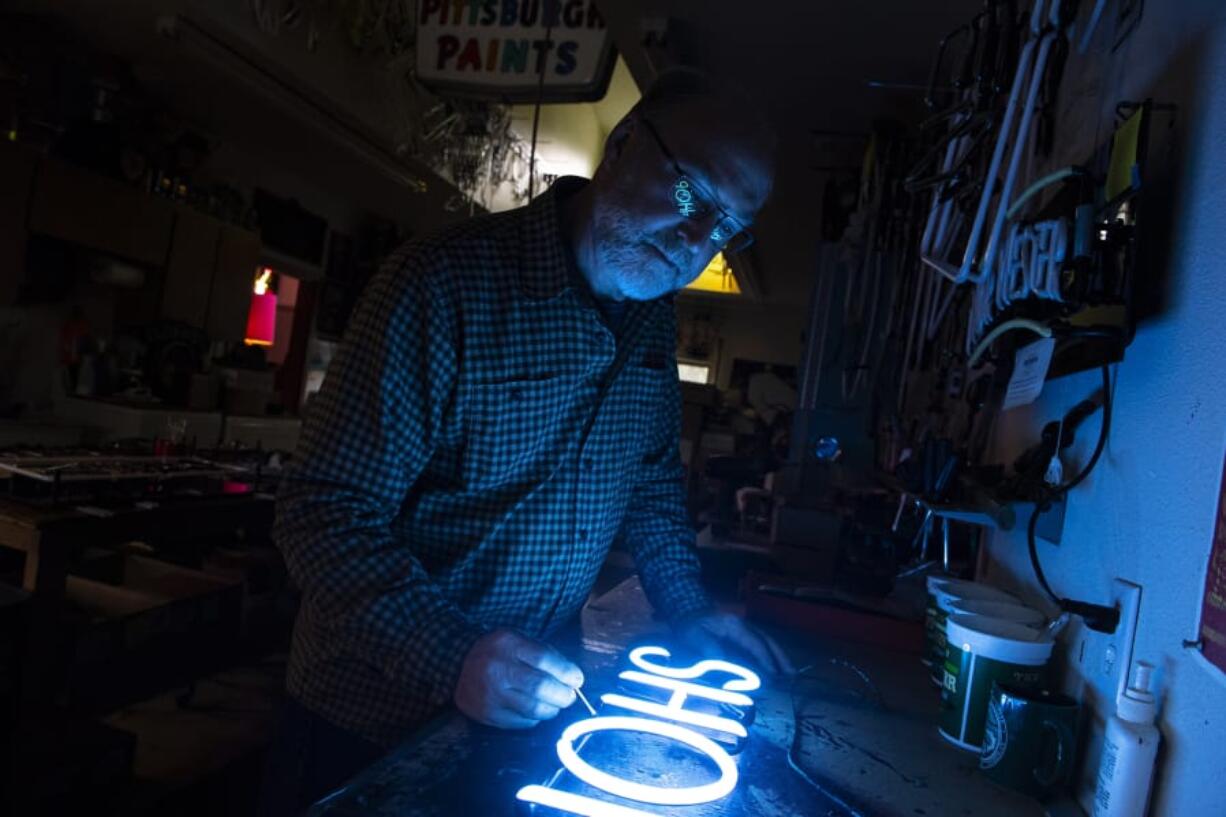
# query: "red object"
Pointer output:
{"type": "Point", "coordinates": [1213, 604]}
{"type": "Point", "coordinates": [261, 319]}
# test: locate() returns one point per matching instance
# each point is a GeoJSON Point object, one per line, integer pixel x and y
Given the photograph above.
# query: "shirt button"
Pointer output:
{"type": "Point", "coordinates": [583, 534]}
{"type": "Point", "coordinates": [588, 464]}
{"type": "Point", "coordinates": [515, 394]}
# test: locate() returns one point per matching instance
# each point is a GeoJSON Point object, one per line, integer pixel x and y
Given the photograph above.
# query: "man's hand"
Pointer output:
{"type": "Point", "coordinates": [721, 633]}
{"type": "Point", "coordinates": [512, 682]}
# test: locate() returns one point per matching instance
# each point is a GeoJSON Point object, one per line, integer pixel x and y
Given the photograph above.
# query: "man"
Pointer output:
{"type": "Point", "coordinates": [504, 407]}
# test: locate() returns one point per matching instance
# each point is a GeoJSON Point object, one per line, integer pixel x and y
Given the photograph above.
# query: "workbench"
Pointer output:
{"type": "Point", "coordinates": [869, 742]}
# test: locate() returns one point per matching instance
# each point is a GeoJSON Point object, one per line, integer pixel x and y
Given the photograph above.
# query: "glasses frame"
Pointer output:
{"type": "Point", "coordinates": [743, 236]}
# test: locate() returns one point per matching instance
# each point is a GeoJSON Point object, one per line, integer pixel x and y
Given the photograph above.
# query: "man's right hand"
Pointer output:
{"type": "Point", "coordinates": [512, 682]}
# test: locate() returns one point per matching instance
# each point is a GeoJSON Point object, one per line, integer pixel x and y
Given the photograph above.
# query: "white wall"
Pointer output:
{"type": "Point", "coordinates": [1147, 512]}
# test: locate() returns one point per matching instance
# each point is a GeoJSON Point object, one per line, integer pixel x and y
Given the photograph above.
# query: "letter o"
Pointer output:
{"type": "Point", "coordinates": [658, 795]}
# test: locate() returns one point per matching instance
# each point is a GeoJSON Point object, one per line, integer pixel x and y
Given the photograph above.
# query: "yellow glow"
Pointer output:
{"type": "Point", "coordinates": [261, 281]}
{"type": "Point", "coordinates": [717, 277]}
{"type": "Point", "coordinates": [254, 342]}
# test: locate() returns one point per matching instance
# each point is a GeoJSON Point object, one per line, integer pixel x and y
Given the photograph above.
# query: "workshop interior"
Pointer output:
{"type": "Point", "coordinates": [951, 429]}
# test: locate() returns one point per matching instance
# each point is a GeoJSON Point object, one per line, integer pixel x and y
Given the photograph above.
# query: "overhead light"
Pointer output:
{"type": "Point", "coordinates": [717, 277]}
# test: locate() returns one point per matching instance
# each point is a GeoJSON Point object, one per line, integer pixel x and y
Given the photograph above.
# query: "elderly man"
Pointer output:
{"type": "Point", "coordinates": [505, 406]}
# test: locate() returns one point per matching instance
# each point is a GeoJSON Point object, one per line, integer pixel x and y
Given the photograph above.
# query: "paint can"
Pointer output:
{"type": "Point", "coordinates": [1001, 611]}
{"type": "Point", "coordinates": [979, 652]}
{"type": "Point", "coordinates": [942, 592]}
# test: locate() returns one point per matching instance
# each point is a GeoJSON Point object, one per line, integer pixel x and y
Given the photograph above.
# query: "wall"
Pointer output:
{"type": "Point", "coordinates": [748, 331]}
{"type": "Point", "coordinates": [1146, 514]}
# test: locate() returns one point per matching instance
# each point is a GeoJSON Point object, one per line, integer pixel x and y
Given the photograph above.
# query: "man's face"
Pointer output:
{"type": "Point", "coordinates": [672, 199]}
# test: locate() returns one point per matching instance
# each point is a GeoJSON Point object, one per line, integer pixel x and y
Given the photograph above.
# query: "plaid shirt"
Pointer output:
{"type": "Point", "coordinates": [462, 470]}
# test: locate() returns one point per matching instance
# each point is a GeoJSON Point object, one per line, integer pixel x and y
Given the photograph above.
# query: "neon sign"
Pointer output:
{"type": "Point", "coordinates": [684, 198]}
{"type": "Point", "coordinates": [672, 720]}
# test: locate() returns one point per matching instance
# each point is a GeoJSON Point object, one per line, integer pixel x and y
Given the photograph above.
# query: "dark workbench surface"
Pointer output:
{"type": "Point", "coordinates": [869, 741]}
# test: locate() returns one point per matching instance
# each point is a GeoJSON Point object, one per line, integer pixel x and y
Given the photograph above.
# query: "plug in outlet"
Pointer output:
{"type": "Point", "coordinates": [1117, 656]}
{"type": "Point", "coordinates": [1103, 661]}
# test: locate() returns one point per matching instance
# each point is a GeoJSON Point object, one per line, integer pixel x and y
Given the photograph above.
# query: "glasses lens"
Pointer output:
{"type": "Point", "coordinates": [727, 234]}
{"type": "Point", "coordinates": [740, 242]}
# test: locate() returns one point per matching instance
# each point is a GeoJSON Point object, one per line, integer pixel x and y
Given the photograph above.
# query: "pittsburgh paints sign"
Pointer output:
{"type": "Point", "coordinates": [498, 49]}
{"type": "Point", "coordinates": [673, 720]}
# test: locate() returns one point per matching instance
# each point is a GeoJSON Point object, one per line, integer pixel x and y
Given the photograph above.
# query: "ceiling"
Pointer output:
{"type": "Point", "coordinates": [808, 62]}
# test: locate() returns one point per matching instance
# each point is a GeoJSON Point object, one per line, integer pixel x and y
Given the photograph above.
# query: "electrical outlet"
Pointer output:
{"type": "Point", "coordinates": [1102, 661]}
{"type": "Point", "coordinates": [1127, 597]}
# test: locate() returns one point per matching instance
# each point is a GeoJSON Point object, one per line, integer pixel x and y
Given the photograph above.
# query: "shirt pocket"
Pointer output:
{"type": "Point", "coordinates": [517, 430]}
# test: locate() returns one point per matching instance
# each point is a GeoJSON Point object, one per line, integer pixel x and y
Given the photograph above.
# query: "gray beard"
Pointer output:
{"type": "Point", "coordinates": [640, 273]}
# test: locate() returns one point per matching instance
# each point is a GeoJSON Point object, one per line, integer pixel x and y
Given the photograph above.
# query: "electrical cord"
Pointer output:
{"type": "Point", "coordinates": [1097, 617]}
{"type": "Point", "coordinates": [536, 112]}
{"type": "Point", "coordinates": [797, 730]}
{"type": "Point", "coordinates": [1040, 329]}
{"type": "Point", "coordinates": [1040, 185]}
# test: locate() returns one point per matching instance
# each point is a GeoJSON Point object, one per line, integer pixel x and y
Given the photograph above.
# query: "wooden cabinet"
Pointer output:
{"type": "Point", "coordinates": [190, 267]}
{"type": "Point", "coordinates": [238, 256]}
{"type": "Point", "coordinates": [206, 267]}
{"type": "Point", "coordinates": [17, 169]}
{"type": "Point", "coordinates": [209, 275]}
{"type": "Point", "coordinates": [84, 208]}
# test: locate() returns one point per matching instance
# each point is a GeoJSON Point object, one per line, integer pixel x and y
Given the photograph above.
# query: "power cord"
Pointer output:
{"type": "Point", "coordinates": [1097, 617]}
{"type": "Point", "coordinates": [798, 723]}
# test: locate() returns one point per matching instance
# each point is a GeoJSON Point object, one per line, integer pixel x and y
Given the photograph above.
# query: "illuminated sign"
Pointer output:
{"type": "Point", "coordinates": [515, 50]}
{"type": "Point", "coordinates": [684, 197]}
{"type": "Point", "coordinates": [673, 720]}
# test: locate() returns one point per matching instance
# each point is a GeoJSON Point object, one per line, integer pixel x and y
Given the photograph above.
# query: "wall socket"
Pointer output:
{"type": "Point", "coordinates": [1102, 661]}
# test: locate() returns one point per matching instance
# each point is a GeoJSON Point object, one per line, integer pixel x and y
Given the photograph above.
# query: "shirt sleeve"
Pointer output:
{"type": "Point", "coordinates": [657, 526]}
{"type": "Point", "coordinates": [367, 437]}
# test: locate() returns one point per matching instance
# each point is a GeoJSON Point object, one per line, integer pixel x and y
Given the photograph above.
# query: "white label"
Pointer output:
{"type": "Point", "coordinates": [1106, 771]}
{"type": "Point", "coordinates": [516, 46]}
{"type": "Point", "coordinates": [1030, 366]}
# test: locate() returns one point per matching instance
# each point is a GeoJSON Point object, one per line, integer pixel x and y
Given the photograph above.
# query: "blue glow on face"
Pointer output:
{"type": "Point", "coordinates": [683, 197]}
{"type": "Point", "coordinates": [658, 795]}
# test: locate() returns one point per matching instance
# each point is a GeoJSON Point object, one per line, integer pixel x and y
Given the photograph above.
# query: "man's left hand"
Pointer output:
{"type": "Point", "coordinates": [721, 633]}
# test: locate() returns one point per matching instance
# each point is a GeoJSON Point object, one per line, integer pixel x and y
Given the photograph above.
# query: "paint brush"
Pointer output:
{"type": "Point", "coordinates": [586, 702]}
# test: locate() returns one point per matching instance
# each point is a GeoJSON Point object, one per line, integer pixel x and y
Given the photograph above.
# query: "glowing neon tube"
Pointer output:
{"type": "Point", "coordinates": [747, 680]}
{"type": "Point", "coordinates": [677, 687]}
{"type": "Point", "coordinates": [629, 789]}
{"type": "Point", "coordinates": [675, 713]}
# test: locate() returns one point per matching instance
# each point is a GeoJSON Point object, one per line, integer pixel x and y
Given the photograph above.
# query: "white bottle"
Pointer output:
{"type": "Point", "coordinates": [1129, 748]}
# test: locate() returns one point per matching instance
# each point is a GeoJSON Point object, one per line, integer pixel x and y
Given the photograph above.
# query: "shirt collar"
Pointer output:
{"type": "Point", "coordinates": [546, 265]}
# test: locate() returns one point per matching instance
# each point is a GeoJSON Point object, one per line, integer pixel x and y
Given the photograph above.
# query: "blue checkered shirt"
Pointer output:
{"type": "Point", "coordinates": [462, 470]}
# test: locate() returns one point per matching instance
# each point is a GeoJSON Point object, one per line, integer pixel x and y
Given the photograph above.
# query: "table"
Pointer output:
{"type": "Point", "coordinates": [868, 741]}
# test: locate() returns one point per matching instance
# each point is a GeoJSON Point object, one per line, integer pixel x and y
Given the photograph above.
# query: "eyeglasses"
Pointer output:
{"type": "Point", "coordinates": [692, 200]}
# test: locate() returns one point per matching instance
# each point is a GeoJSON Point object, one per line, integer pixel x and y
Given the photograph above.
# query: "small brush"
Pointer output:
{"type": "Point", "coordinates": [586, 702]}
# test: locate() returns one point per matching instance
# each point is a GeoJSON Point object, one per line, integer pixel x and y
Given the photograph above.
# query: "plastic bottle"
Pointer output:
{"type": "Point", "coordinates": [1126, 770]}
